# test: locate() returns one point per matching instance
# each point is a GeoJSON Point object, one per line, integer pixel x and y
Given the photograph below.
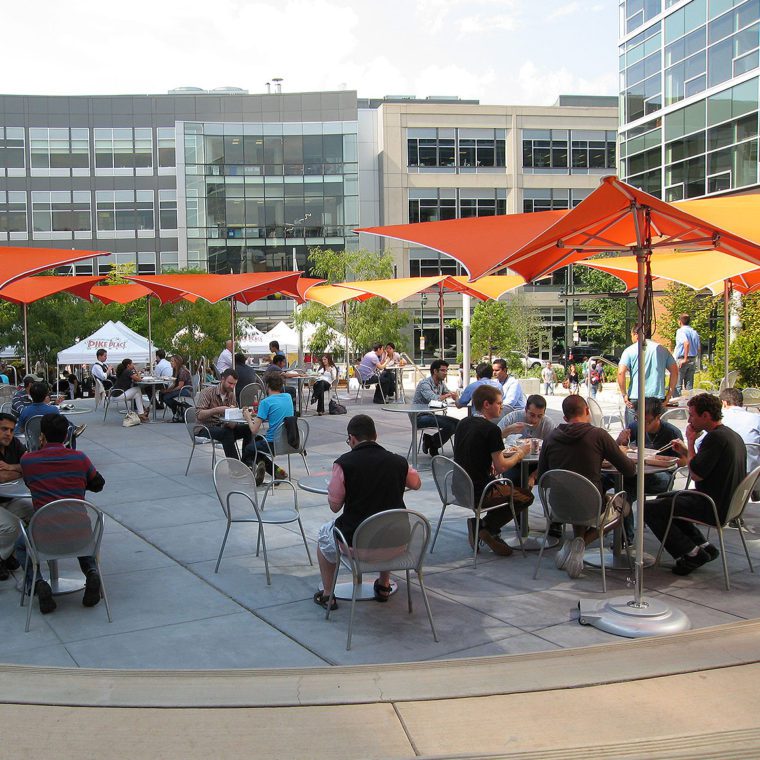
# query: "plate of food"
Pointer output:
{"type": "Point", "coordinates": [658, 460]}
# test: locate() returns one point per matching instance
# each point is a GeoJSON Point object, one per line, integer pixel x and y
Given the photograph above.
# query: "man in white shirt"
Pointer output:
{"type": "Point", "coordinates": [162, 370]}
{"type": "Point", "coordinates": [746, 424]}
{"type": "Point", "coordinates": [548, 378]}
{"type": "Point", "coordinates": [512, 392]}
{"type": "Point", "coordinates": [224, 362]}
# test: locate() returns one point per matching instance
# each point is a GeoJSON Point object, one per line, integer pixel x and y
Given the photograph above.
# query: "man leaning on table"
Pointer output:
{"type": "Point", "coordinates": [366, 480]}
{"type": "Point", "coordinates": [433, 388]}
{"type": "Point", "coordinates": [211, 405]}
{"type": "Point", "coordinates": [716, 469]}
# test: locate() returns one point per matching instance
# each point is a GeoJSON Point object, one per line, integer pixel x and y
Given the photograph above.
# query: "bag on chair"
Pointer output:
{"type": "Point", "coordinates": [335, 408]}
{"type": "Point", "coordinates": [130, 419]}
{"type": "Point", "coordinates": [291, 432]}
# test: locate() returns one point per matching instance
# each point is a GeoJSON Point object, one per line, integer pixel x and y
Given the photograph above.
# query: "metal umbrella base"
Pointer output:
{"type": "Point", "coordinates": [621, 616]}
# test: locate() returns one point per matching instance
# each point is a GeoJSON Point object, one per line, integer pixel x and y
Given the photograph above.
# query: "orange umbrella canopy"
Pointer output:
{"type": "Point", "coordinates": [475, 240]}
{"type": "Point", "coordinates": [18, 262]}
{"type": "Point", "coordinates": [31, 289]}
{"type": "Point", "coordinates": [245, 288]}
{"type": "Point", "coordinates": [120, 293]}
{"type": "Point", "coordinates": [303, 284]}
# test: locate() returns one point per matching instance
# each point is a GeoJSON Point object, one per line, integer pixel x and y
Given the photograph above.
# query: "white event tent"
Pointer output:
{"type": "Point", "coordinates": [114, 337]}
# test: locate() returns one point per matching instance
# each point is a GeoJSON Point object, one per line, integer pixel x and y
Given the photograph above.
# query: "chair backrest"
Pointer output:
{"type": "Point", "coordinates": [753, 456]}
{"type": "Point", "coordinates": [597, 416]}
{"type": "Point", "coordinates": [396, 539]}
{"type": "Point", "coordinates": [32, 432]}
{"type": "Point", "coordinates": [66, 528]}
{"type": "Point", "coordinates": [250, 394]}
{"type": "Point", "coordinates": [453, 483]}
{"type": "Point", "coordinates": [281, 445]}
{"type": "Point", "coordinates": [729, 381]}
{"type": "Point", "coordinates": [6, 407]}
{"type": "Point", "coordinates": [751, 396]}
{"type": "Point", "coordinates": [569, 498]}
{"type": "Point", "coordinates": [196, 381]}
{"type": "Point", "coordinates": [235, 486]}
{"type": "Point", "coordinates": [741, 495]}
{"type": "Point", "coordinates": [191, 421]}
{"type": "Point", "coordinates": [681, 413]}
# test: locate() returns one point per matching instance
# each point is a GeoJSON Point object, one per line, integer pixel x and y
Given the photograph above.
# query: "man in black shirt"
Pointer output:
{"type": "Point", "coordinates": [716, 469]}
{"type": "Point", "coordinates": [246, 375]}
{"type": "Point", "coordinates": [479, 450]}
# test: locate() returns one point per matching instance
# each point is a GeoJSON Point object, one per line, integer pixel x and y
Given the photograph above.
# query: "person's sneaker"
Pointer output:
{"type": "Point", "coordinates": [5, 572]}
{"type": "Point", "coordinates": [471, 532]}
{"type": "Point", "coordinates": [711, 551]}
{"type": "Point", "coordinates": [686, 564]}
{"type": "Point", "coordinates": [574, 564]}
{"type": "Point", "coordinates": [45, 595]}
{"type": "Point", "coordinates": [259, 472]}
{"type": "Point", "coordinates": [555, 530]}
{"type": "Point", "coordinates": [494, 543]}
{"type": "Point", "coordinates": [426, 443]}
{"type": "Point", "coordinates": [91, 590]}
{"type": "Point", "coordinates": [560, 558]}
{"type": "Point", "coordinates": [79, 430]}
{"type": "Point", "coordinates": [280, 474]}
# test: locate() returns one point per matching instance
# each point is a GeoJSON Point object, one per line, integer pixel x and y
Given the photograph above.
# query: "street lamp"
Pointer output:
{"type": "Point", "coordinates": [423, 301]}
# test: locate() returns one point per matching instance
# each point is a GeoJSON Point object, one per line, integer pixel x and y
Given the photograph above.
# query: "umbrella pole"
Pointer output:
{"type": "Point", "coordinates": [150, 339]}
{"type": "Point", "coordinates": [726, 325]}
{"type": "Point", "coordinates": [26, 341]}
{"type": "Point", "coordinates": [440, 320]}
{"type": "Point", "coordinates": [465, 340]}
{"type": "Point", "coordinates": [232, 327]}
{"type": "Point", "coordinates": [345, 335]}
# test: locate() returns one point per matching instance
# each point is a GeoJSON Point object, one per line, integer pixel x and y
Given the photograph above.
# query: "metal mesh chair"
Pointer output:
{"type": "Point", "coordinates": [365, 385]}
{"type": "Point", "coordinates": [281, 446]}
{"type": "Point", "coordinates": [236, 488]}
{"type": "Point", "coordinates": [436, 413]}
{"type": "Point", "coordinates": [60, 530]}
{"type": "Point", "coordinates": [250, 395]}
{"type": "Point", "coordinates": [734, 515]}
{"type": "Point", "coordinates": [32, 432]}
{"type": "Point", "coordinates": [117, 395]}
{"type": "Point", "coordinates": [568, 497]}
{"type": "Point", "coordinates": [597, 415]}
{"type": "Point", "coordinates": [199, 436]}
{"type": "Point", "coordinates": [751, 397]}
{"type": "Point", "coordinates": [455, 487]}
{"type": "Point", "coordinates": [396, 539]}
{"type": "Point", "coordinates": [680, 413]}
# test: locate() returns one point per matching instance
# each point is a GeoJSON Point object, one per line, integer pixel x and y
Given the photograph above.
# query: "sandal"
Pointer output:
{"type": "Point", "coordinates": [321, 599]}
{"type": "Point", "coordinates": [382, 593]}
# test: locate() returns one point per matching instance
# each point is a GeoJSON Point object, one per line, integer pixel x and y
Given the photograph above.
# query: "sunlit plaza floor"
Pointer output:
{"type": "Point", "coordinates": [171, 611]}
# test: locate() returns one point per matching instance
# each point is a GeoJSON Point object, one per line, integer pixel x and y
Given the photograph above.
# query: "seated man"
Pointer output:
{"type": "Point", "coordinates": [479, 450]}
{"type": "Point", "coordinates": [40, 405]}
{"type": "Point", "coordinates": [279, 367]}
{"type": "Point", "coordinates": [746, 424]}
{"type": "Point", "coordinates": [434, 388]}
{"type": "Point", "coordinates": [391, 359]}
{"type": "Point", "coordinates": [103, 371]}
{"type": "Point", "coordinates": [163, 371]}
{"type": "Point", "coordinates": [55, 472]}
{"type": "Point", "coordinates": [273, 409]}
{"type": "Point", "coordinates": [371, 372]}
{"type": "Point", "coordinates": [578, 446]}
{"type": "Point", "coordinates": [11, 510]}
{"type": "Point", "coordinates": [483, 376]}
{"type": "Point", "coordinates": [211, 405]}
{"type": "Point", "coordinates": [21, 397]}
{"type": "Point", "coordinates": [512, 392]}
{"type": "Point", "coordinates": [246, 374]}
{"type": "Point", "coordinates": [716, 469]}
{"type": "Point", "coordinates": [657, 435]}
{"type": "Point", "coordinates": [365, 481]}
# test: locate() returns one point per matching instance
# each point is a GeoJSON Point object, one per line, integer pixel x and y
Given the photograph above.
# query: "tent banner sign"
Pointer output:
{"type": "Point", "coordinates": [110, 344]}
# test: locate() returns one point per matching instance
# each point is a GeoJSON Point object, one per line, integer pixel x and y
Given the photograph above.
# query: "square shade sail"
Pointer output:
{"type": "Point", "coordinates": [17, 262]}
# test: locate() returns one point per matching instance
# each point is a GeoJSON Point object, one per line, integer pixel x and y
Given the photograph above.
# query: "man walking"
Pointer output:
{"type": "Point", "coordinates": [686, 354]}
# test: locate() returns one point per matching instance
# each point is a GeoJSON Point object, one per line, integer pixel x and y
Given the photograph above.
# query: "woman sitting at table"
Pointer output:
{"type": "Point", "coordinates": [127, 378]}
{"type": "Point", "coordinates": [182, 386]}
{"type": "Point", "coordinates": [327, 373]}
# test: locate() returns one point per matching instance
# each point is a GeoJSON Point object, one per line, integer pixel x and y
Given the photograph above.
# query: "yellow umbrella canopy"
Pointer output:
{"type": "Point", "coordinates": [332, 295]}
{"type": "Point", "coordinates": [495, 285]}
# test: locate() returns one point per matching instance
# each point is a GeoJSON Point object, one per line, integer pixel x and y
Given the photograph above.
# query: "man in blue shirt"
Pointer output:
{"type": "Point", "coordinates": [273, 409]}
{"type": "Point", "coordinates": [512, 392]}
{"type": "Point", "coordinates": [484, 376]}
{"type": "Point", "coordinates": [686, 354]}
{"type": "Point", "coordinates": [657, 360]}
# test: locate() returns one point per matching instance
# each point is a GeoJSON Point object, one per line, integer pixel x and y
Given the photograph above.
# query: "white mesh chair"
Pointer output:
{"type": "Point", "coordinates": [32, 432]}
{"type": "Point", "coordinates": [117, 395]}
{"type": "Point", "coordinates": [734, 515]}
{"type": "Point", "coordinates": [729, 381]}
{"type": "Point", "coordinates": [455, 488]}
{"type": "Point", "coordinates": [6, 407]}
{"type": "Point", "coordinates": [99, 391]}
{"type": "Point", "coordinates": [422, 430]}
{"type": "Point", "coordinates": [680, 413]}
{"type": "Point", "coordinates": [283, 448]}
{"type": "Point", "coordinates": [753, 460]}
{"type": "Point", "coordinates": [568, 497]}
{"type": "Point", "coordinates": [396, 539]}
{"type": "Point", "coordinates": [365, 385]}
{"type": "Point", "coordinates": [250, 395]}
{"type": "Point", "coordinates": [597, 415]}
{"type": "Point", "coordinates": [200, 435]}
{"type": "Point", "coordinates": [236, 488]}
{"type": "Point", "coordinates": [751, 398]}
{"type": "Point", "coordinates": [63, 529]}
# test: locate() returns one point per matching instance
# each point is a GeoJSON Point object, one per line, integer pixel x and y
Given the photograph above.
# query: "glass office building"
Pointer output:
{"type": "Point", "coordinates": [689, 77]}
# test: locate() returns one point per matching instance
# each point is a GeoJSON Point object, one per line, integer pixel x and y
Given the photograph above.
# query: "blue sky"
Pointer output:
{"type": "Point", "coordinates": [497, 51]}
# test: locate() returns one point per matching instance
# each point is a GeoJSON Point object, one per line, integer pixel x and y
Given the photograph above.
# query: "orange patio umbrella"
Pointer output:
{"type": "Point", "coordinates": [30, 289]}
{"type": "Point", "coordinates": [17, 262]}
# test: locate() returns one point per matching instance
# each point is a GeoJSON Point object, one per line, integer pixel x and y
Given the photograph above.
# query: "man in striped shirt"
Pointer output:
{"type": "Point", "coordinates": [211, 405]}
{"type": "Point", "coordinates": [56, 472]}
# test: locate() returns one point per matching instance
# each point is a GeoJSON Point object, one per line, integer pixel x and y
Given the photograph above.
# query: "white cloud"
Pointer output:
{"type": "Point", "coordinates": [543, 86]}
{"type": "Point", "coordinates": [568, 9]}
{"type": "Point", "coordinates": [481, 24]}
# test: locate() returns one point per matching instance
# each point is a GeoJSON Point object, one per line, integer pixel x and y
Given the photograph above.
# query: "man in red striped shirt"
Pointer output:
{"type": "Point", "coordinates": [56, 472]}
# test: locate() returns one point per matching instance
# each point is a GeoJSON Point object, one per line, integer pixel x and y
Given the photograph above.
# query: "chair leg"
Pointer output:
{"type": "Point", "coordinates": [266, 559]}
{"type": "Point", "coordinates": [221, 548]}
{"type": "Point", "coordinates": [408, 592]}
{"type": "Point", "coordinates": [258, 540]}
{"type": "Point", "coordinates": [303, 536]}
{"type": "Point", "coordinates": [477, 533]}
{"type": "Point", "coordinates": [305, 463]}
{"type": "Point", "coordinates": [518, 527]}
{"type": "Point", "coordinates": [192, 451]}
{"type": "Point", "coordinates": [437, 528]}
{"type": "Point", "coordinates": [601, 560]}
{"type": "Point", "coordinates": [427, 604]}
{"type": "Point", "coordinates": [723, 558]}
{"type": "Point", "coordinates": [740, 526]}
{"type": "Point", "coordinates": [103, 592]}
{"type": "Point", "coordinates": [331, 595]}
{"type": "Point", "coordinates": [541, 550]}
{"type": "Point", "coordinates": [31, 594]}
{"type": "Point", "coordinates": [351, 616]}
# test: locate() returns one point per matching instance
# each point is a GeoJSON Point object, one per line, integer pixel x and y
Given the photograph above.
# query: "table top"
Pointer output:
{"type": "Point", "coordinates": [413, 408]}
{"type": "Point", "coordinates": [315, 483]}
{"type": "Point", "coordinates": [14, 489]}
{"type": "Point", "coordinates": [75, 410]}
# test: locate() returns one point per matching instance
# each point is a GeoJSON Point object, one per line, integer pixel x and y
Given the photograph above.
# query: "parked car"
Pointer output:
{"type": "Point", "coordinates": [587, 350]}
{"type": "Point", "coordinates": [530, 362]}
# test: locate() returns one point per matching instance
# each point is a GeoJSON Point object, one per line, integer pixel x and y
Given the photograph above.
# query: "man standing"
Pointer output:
{"type": "Point", "coordinates": [686, 354]}
{"type": "Point", "coordinates": [11, 510]}
{"type": "Point", "coordinates": [657, 361]}
{"type": "Point", "coordinates": [224, 361]}
{"type": "Point", "coordinates": [483, 376]}
{"type": "Point", "coordinates": [578, 446]}
{"type": "Point", "coordinates": [512, 392]}
{"type": "Point", "coordinates": [434, 388]}
{"type": "Point", "coordinates": [371, 372]}
{"type": "Point", "coordinates": [479, 450]}
{"type": "Point", "coordinates": [101, 370]}
{"type": "Point", "coordinates": [746, 424]}
{"type": "Point", "coordinates": [717, 469]}
{"type": "Point", "coordinates": [55, 472]}
{"type": "Point", "coordinates": [211, 405]}
{"type": "Point", "coordinates": [365, 481]}
{"type": "Point", "coordinates": [548, 378]}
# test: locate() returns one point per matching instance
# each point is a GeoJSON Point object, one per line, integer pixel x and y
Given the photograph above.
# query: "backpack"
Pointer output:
{"type": "Point", "coordinates": [291, 432]}
{"type": "Point", "coordinates": [335, 408]}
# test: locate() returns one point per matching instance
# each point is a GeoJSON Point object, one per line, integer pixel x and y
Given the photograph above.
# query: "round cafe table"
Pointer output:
{"type": "Point", "coordinates": [318, 483]}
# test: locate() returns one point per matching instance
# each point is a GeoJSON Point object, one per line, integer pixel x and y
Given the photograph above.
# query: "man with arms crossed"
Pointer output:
{"type": "Point", "coordinates": [716, 469]}
{"type": "Point", "coordinates": [479, 450]}
{"type": "Point", "coordinates": [365, 481]}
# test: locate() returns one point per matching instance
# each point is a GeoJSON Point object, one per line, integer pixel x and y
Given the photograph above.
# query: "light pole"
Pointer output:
{"type": "Point", "coordinates": [423, 301]}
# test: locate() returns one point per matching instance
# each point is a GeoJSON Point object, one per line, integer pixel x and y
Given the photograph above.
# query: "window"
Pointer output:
{"type": "Point", "coordinates": [456, 149]}
{"type": "Point", "coordinates": [426, 263]}
{"type": "Point", "coordinates": [435, 204]}
{"type": "Point", "coordinates": [124, 210]}
{"type": "Point", "coordinates": [546, 150]}
{"type": "Point", "coordinates": [59, 151]}
{"type": "Point", "coordinates": [61, 211]}
{"type": "Point", "coordinates": [123, 150]}
{"type": "Point", "coordinates": [167, 210]}
{"type": "Point", "coordinates": [13, 212]}
{"type": "Point", "coordinates": [166, 146]}
{"type": "Point", "coordinates": [12, 148]}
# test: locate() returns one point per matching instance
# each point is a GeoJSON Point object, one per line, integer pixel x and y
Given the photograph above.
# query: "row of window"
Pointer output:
{"type": "Point", "coordinates": [552, 199]}
{"type": "Point", "coordinates": [574, 150]}
{"type": "Point", "coordinates": [71, 212]}
{"type": "Point", "coordinates": [68, 151]}
{"type": "Point", "coordinates": [145, 262]}
{"type": "Point", "coordinates": [435, 204]}
{"type": "Point", "coordinates": [450, 148]}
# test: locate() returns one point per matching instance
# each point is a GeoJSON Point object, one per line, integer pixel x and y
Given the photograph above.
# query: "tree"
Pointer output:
{"type": "Point", "coordinates": [609, 312]}
{"type": "Point", "coordinates": [490, 330]}
{"type": "Point", "coordinates": [745, 349]}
